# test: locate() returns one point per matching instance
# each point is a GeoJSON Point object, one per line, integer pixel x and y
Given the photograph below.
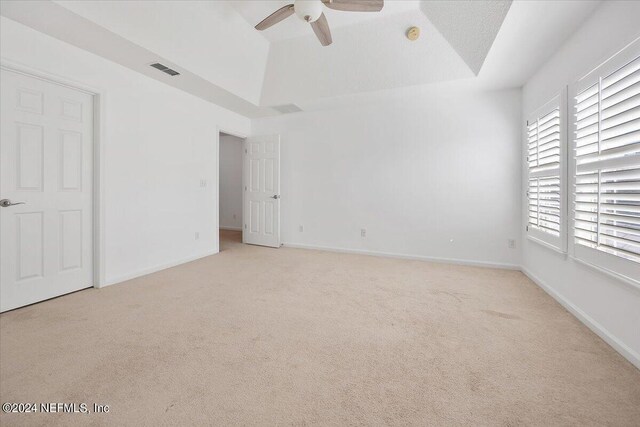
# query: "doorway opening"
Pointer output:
{"type": "Point", "coordinates": [230, 190]}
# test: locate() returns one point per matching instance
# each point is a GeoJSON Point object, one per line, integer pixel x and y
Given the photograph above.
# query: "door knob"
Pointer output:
{"type": "Point", "coordinates": [277, 196]}
{"type": "Point", "coordinates": [5, 203]}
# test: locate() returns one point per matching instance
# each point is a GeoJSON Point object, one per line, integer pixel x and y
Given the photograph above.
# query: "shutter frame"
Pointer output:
{"type": "Point", "coordinates": [605, 174]}
{"type": "Point", "coordinates": [545, 163]}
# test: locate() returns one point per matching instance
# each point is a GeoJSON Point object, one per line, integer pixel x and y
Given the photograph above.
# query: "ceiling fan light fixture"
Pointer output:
{"type": "Point", "coordinates": [308, 10]}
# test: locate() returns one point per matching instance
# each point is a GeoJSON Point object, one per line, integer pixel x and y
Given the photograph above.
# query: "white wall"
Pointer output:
{"type": "Point", "coordinates": [609, 306]}
{"type": "Point", "coordinates": [230, 182]}
{"type": "Point", "coordinates": [158, 144]}
{"type": "Point", "coordinates": [434, 175]}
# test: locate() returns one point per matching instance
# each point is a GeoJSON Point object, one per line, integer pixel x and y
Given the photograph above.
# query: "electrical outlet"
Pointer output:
{"type": "Point", "coordinates": [511, 243]}
{"type": "Point", "coordinates": [197, 235]}
{"type": "Point", "coordinates": [363, 232]}
{"type": "Point", "coordinates": [234, 216]}
{"type": "Point", "coordinates": [301, 228]}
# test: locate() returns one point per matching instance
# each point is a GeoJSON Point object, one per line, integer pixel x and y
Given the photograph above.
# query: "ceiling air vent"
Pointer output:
{"type": "Point", "coordinates": [287, 108]}
{"type": "Point", "coordinates": [165, 69]}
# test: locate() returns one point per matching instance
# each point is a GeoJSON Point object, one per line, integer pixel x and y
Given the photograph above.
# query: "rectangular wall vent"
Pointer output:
{"type": "Point", "coordinates": [287, 109]}
{"type": "Point", "coordinates": [165, 69]}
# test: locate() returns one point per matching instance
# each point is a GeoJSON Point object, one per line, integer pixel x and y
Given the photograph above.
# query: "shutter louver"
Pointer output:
{"type": "Point", "coordinates": [544, 204]}
{"type": "Point", "coordinates": [607, 155]}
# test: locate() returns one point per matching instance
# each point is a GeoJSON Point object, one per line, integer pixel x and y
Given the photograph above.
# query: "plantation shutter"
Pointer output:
{"type": "Point", "coordinates": [544, 159]}
{"type": "Point", "coordinates": [606, 120]}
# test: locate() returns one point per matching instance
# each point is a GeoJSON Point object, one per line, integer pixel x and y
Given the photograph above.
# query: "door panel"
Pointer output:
{"type": "Point", "coordinates": [70, 161]}
{"type": "Point", "coordinates": [254, 179]}
{"type": "Point", "coordinates": [262, 191]}
{"type": "Point", "coordinates": [268, 175]}
{"type": "Point", "coordinates": [30, 245]}
{"type": "Point", "coordinates": [70, 239]}
{"type": "Point", "coordinates": [46, 158]}
{"type": "Point", "coordinates": [269, 209]}
{"type": "Point", "coordinates": [29, 157]}
{"type": "Point", "coordinates": [254, 216]}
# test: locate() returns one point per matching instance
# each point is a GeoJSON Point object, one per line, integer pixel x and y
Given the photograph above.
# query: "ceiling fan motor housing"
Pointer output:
{"type": "Point", "coordinates": [308, 10]}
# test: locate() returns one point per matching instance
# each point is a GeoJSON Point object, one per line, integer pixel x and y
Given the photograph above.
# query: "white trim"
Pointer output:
{"type": "Point", "coordinates": [17, 67]}
{"type": "Point", "coordinates": [98, 168]}
{"type": "Point", "coordinates": [620, 268]}
{"type": "Point", "coordinates": [539, 235]}
{"type": "Point", "coordinates": [99, 189]}
{"type": "Point", "coordinates": [156, 268]}
{"type": "Point", "coordinates": [557, 243]}
{"type": "Point", "coordinates": [591, 257]}
{"type": "Point", "coordinates": [216, 149]}
{"type": "Point", "coordinates": [405, 256]}
{"type": "Point", "coordinates": [232, 133]}
{"type": "Point", "coordinates": [589, 322]}
{"type": "Point", "coordinates": [223, 227]}
{"type": "Point", "coordinates": [546, 245]}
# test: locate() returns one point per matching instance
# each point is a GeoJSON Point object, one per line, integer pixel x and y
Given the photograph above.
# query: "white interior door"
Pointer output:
{"type": "Point", "coordinates": [261, 173]}
{"type": "Point", "coordinates": [46, 151]}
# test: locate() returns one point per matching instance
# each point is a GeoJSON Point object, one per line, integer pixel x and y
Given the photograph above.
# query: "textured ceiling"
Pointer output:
{"type": "Point", "coordinates": [368, 56]}
{"type": "Point", "coordinates": [521, 47]}
{"type": "Point", "coordinates": [254, 11]}
{"type": "Point", "coordinates": [470, 26]}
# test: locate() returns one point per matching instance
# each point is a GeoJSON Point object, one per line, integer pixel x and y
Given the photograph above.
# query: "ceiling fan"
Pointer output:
{"type": "Point", "coordinates": [311, 12]}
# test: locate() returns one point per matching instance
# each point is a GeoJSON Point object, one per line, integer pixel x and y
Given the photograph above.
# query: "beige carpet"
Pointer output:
{"type": "Point", "coordinates": [257, 336]}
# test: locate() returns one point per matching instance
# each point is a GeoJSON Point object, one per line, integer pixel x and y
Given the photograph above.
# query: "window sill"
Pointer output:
{"type": "Point", "coordinates": [612, 274]}
{"type": "Point", "coordinates": [547, 245]}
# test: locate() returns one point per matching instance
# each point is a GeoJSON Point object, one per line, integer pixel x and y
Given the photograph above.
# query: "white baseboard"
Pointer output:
{"type": "Point", "coordinates": [589, 322]}
{"type": "Point", "coordinates": [406, 256]}
{"type": "Point", "coordinates": [145, 271]}
{"type": "Point", "coordinates": [223, 227]}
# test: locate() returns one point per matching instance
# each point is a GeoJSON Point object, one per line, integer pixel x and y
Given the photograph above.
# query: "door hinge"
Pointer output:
{"type": "Point", "coordinates": [245, 226]}
{"type": "Point", "coordinates": [245, 151]}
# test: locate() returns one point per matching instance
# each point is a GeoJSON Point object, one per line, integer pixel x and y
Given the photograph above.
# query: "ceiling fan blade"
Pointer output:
{"type": "Point", "coordinates": [321, 28]}
{"type": "Point", "coordinates": [355, 5]}
{"type": "Point", "coordinates": [275, 17]}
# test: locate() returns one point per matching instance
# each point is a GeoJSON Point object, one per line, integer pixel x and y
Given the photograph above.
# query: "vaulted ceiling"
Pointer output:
{"type": "Point", "coordinates": [222, 57]}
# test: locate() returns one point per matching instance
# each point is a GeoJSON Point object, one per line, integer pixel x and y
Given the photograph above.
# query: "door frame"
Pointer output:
{"type": "Point", "coordinates": [98, 168]}
{"type": "Point", "coordinates": [217, 174]}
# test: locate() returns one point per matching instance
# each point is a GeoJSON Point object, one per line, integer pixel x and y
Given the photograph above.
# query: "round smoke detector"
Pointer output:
{"type": "Point", "coordinates": [413, 33]}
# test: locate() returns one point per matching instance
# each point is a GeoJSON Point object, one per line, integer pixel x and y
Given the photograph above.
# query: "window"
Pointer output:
{"type": "Point", "coordinates": [606, 144]}
{"type": "Point", "coordinates": [546, 194]}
